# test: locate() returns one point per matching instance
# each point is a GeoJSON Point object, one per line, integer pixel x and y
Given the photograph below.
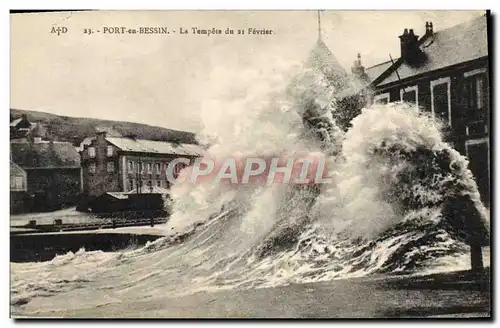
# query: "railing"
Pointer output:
{"type": "Point", "coordinates": [101, 221]}
{"type": "Point", "coordinates": [125, 215]}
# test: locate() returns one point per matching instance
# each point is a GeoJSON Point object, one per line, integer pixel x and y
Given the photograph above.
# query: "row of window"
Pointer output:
{"type": "Point", "coordinates": [109, 151]}
{"type": "Point", "coordinates": [144, 186]}
{"type": "Point", "coordinates": [134, 167]}
{"type": "Point", "coordinates": [110, 167]}
{"type": "Point", "coordinates": [475, 94]}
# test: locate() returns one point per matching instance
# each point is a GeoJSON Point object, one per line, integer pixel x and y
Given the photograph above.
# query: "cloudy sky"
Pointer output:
{"type": "Point", "coordinates": [163, 79]}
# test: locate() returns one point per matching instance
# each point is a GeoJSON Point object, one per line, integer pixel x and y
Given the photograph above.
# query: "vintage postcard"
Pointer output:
{"type": "Point", "coordinates": [250, 164]}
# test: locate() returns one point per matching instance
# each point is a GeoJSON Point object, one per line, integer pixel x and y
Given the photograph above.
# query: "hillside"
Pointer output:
{"type": "Point", "coordinates": [75, 129]}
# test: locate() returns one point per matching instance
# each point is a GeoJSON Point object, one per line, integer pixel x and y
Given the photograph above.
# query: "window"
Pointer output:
{"type": "Point", "coordinates": [19, 182]}
{"type": "Point", "coordinates": [158, 168]}
{"type": "Point", "coordinates": [440, 99]}
{"type": "Point", "coordinates": [110, 151]}
{"type": "Point", "coordinates": [92, 168]}
{"type": "Point", "coordinates": [158, 183]}
{"type": "Point", "coordinates": [131, 184]}
{"type": "Point", "coordinates": [91, 152]}
{"type": "Point", "coordinates": [16, 182]}
{"type": "Point", "coordinates": [111, 167]}
{"type": "Point", "coordinates": [476, 92]}
{"type": "Point", "coordinates": [409, 94]}
{"type": "Point", "coordinates": [141, 167]}
{"type": "Point", "coordinates": [150, 166]}
{"type": "Point", "coordinates": [131, 166]}
{"type": "Point", "coordinates": [382, 98]}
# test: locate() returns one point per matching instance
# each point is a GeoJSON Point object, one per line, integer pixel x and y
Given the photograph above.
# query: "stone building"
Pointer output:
{"type": "Point", "coordinates": [122, 164]}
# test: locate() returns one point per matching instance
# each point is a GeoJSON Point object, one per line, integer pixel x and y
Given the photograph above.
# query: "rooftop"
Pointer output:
{"type": "Point", "coordinates": [458, 44]}
{"type": "Point", "coordinates": [158, 147]}
{"type": "Point", "coordinates": [376, 70]}
{"type": "Point", "coordinates": [45, 154]}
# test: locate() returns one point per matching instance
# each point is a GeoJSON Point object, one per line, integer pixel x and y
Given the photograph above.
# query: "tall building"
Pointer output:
{"type": "Point", "coordinates": [119, 164]}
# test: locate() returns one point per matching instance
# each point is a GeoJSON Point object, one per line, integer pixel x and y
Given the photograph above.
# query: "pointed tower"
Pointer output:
{"type": "Point", "coordinates": [323, 60]}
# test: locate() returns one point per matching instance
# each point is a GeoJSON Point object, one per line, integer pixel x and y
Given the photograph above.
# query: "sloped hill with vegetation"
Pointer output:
{"type": "Point", "coordinates": [75, 129]}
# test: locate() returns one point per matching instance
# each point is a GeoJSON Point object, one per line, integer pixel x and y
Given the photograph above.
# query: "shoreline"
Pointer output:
{"type": "Point", "coordinates": [455, 294]}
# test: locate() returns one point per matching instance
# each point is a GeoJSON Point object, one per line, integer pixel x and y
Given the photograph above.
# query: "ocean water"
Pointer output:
{"type": "Point", "coordinates": [395, 185]}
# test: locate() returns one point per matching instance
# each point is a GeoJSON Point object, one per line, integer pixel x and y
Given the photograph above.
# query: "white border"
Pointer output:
{"type": "Point", "coordinates": [434, 83]}
{"type": "Point", "coordinates": [407, 89]}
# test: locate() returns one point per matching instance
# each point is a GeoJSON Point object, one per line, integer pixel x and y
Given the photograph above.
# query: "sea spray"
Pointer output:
{"type": "Point", "coordinates": [380, 214]}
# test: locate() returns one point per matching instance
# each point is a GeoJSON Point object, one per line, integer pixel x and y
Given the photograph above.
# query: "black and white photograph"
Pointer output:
{"type": "Point", "coordinates": [250, 164]}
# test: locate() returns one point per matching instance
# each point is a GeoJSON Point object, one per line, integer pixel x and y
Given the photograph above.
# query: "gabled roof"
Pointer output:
{"type": "Point", "coordinates": [16, 169]}
{"type": "Point", "coordinates": [458, 44]}
{"type": "Point", "coordinates": [34, 129]}
{"type": "Point", "coordinates": [158, 147]}
{"type": "Point", "coordinates": [15, 122]}
{"type": "Point", "coordinates": [45, 154]}
{"type": "Point", "coordinates": [375, 71]}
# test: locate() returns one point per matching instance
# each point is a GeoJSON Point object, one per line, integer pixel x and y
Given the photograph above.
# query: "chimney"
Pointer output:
{"type": "Point", "coordinates": [101, 135]}
{"type": "Point", "coordinates": [410, 51]}
{"type": "Point", "coordinates": [429, 30]}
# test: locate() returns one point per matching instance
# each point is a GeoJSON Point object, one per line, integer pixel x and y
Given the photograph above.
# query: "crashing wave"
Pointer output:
{"type": "Point", "coordinates": [400, 198]}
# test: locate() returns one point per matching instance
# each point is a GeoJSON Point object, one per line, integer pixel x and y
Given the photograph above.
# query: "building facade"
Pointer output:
{"type": "Point", "coordinates": [22, 130]}
{"type": "Point", "coordinates": [52, 174]}
{"type": "Point", "coordinates": [445, 73]}
{"type": "Point", "coordinates": [118, 164]}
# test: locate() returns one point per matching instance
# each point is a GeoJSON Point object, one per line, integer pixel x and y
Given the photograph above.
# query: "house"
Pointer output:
{"type": "Point", "coordinates": [446, 73]}
{"type": "Point", "coordinates": [123, 164]}
{"type": "Point", "coordinates": [110, 132]}
{"type": "Point", "coordinates": [18, 187]}
{"type": "Point", "coordinates": [22, 130]}
{"type": "Point", "coordinates": [53, 174]}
